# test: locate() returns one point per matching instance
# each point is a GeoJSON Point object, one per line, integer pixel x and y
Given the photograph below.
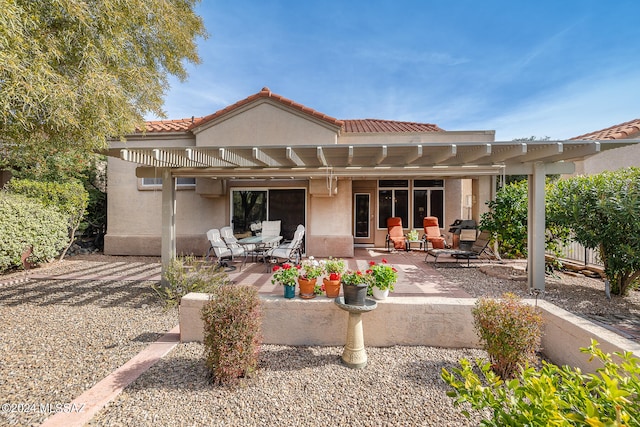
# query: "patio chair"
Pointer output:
{"type": "Point", "coordinates": [432, 233]}
{"type": "Point", "coordinates": [288, 251]}
{"type": "Point", "coordinates": [480, 247]}
{"type": "Point", "coordinates": [223, 252]}
{"type": "Point", "coordinates": [227, 235]}
{"type": "Point", "coordinates": [395, 234]}
{"type": "Point", "coordinates": [271, 228]}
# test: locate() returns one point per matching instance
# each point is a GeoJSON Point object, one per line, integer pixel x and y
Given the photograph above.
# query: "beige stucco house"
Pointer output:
{"type": "Point", "coordinates": [267, 157]}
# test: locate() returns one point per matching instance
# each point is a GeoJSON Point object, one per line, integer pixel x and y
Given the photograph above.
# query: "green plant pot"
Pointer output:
{"type": "Point", "coordinates": [289, 291]}
{"type": "Point", "coordinates": [354, 294]}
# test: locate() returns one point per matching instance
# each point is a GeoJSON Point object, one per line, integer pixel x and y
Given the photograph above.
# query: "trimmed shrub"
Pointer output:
{"type": "Point", "coordinates": [184, 275]}
{"type": "Point", "coordinates": [26, 223]}
{"type": "Point", "coordinates": [232, 336]}
{"type": "Point", "coordinates": [510, 331]}
{"type": "Point", "coordinates": [553, 395]}
{"type": "Point", "coordinates": [70, 198]}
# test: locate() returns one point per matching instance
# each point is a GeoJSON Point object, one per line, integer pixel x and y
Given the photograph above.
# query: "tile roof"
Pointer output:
{"type": "Point", "coordinates": [375, 125]}
{"type": "Point", "coordinates": [626, 130]}
{"type": "Point", "coordinates": [348, 126]}
{"type": "Point", "coordinates": [179, 125]}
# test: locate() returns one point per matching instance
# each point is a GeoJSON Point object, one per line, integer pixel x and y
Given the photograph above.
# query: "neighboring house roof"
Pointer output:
{"type": "Point", "coordinates": [348, 126]}
{"type": "Point", "coordinates": [624, 130]}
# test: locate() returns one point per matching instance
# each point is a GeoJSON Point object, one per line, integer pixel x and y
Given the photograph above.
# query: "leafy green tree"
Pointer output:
{"type": "Point", "coordinates": [75, 73]}
{"type": "Point", "coordinates": [603, 211]}
{"type": "Point", "coordinates": [506, 219]}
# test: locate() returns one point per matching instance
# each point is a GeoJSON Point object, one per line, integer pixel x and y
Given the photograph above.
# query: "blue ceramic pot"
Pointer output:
{"type": "Point", "coordinates": [289, 291]}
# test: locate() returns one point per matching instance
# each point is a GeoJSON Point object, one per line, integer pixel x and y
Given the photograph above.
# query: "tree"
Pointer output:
{"type": "Point", "coordinates": [507, 219]}
{"type": "Point", "coordinates": [73, 74]}
{"type": "Point", "coordinates": [603, 211]}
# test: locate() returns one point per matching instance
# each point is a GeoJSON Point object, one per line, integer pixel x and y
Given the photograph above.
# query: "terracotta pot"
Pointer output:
{"type": "Point", "coordinates": [307, 287]}
{"type": "Point", "coordinates": [354, 294]}
{"type": "Point", "coordinates": [331, 287]}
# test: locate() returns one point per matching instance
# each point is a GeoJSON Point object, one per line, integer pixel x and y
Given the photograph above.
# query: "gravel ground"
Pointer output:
{"type": "Point", "coordinates": [296, 386]}
{"type": "Point", "coordinates": [569, 290]}
{"type": "Point", "coordinates": [58, 338]}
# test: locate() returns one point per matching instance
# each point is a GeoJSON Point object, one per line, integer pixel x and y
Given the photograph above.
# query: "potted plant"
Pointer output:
{"type": "Point", "coordinates": [287, 275]}
{"type": "Point", "coordinates": [383, 277]}
{"type": "Point", "coordinates": [354, 286]}
{"type": "Point", "coordinates": [309, 274]}
{"type": "Point", "coordinates": [413, 235]}
{"type": "Point", "coordinates": [333, 268]}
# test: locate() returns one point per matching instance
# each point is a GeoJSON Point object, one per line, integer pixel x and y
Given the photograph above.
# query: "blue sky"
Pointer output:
{"type": "Point", "coordinates": [556, 68]}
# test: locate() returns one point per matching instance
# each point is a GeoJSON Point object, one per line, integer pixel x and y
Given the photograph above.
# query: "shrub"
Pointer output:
{"type": "Point", "coordinates": [553, 395]}
{"type": "Point", "coordinates": [510, 332]}
{"type": "Point", "coordinates": [70, 198]}
{"type": "Point", "coordinates": [184, 275]}
{"type": "Point", "coordinates": [26, 223]}
{"type": "Point", "coordinates": [232, 333]}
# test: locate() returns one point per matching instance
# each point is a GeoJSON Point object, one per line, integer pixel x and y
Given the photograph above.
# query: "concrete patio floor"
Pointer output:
{"type": "Point", "coordinates": [415, 277]}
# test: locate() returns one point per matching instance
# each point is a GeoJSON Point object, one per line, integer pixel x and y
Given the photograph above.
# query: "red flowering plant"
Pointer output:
{"type": "Point", "coordinates": [334, 267]}
{"type": "Point", "coordinates": [287, 275]}
{"type": "Point", "coordinates": [355, 278]}
{"type": "Point", "coordinates": [383, 275]}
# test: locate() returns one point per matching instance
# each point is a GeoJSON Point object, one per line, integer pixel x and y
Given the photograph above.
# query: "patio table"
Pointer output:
{"type": "Point", "coordinates": [262, 244]}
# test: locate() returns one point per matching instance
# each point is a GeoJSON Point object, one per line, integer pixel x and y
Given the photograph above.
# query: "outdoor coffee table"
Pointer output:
{"type": "Point", "coordinates": [409, 242]}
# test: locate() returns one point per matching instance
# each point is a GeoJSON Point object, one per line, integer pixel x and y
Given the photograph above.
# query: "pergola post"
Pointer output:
{"type": "Point", "coordinates": [536, 228]}
{"type": "Point", "coordinates": [168, 245]}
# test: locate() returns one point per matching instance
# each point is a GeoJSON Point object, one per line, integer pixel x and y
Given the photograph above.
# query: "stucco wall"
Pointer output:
{"type": "Point", "coordinates": [610, 160]}
{"type": "Point", "coordinates": [265, 124]}
{"type": "Point", "coordinates": [330, 223]}
{"type": "Point", "coordinates": [134, 216]}
{"type": "Point", "coordinates": [424, 321]}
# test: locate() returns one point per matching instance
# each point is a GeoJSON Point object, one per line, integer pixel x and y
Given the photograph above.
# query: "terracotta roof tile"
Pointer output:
{"type": "Point", "coordinates": [179, 125]}
{"type": "Point", "coordinates": [630, 129]}
{"type": "Point", "coordinates": [387, 126]}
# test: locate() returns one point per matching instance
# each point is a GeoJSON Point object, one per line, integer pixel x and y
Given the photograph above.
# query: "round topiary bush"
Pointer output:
{"type": "Point", "coordinates": [27, 224]}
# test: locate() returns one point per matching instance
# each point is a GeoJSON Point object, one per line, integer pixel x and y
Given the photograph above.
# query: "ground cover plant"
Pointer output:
{"type": "Point", "coordinates": [552, 395]}
{"type": "Point", "coordinates": [186, 274]}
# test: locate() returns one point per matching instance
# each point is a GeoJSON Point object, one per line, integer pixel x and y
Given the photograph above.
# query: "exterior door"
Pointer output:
{"type": "Point", "coordinates": [363, 218]}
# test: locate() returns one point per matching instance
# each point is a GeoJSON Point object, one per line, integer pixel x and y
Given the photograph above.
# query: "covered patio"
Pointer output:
{"type": "Point", "coordinates": [269, 143]}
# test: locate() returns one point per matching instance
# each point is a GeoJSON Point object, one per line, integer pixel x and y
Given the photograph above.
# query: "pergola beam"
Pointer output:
{"type": "Point", "coordinates": [320, 155]}
{"type": "Point", "coordinates": [264, 158]}
{"type": "Point", "coordinates": [414, 155]}
{"type": "Point", "coordinates": [294, 157]}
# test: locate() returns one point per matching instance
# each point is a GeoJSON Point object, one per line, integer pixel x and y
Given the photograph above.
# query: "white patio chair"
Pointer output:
{"type": "Point", "coordinates": [232, 243]}
{"type": "Point", "coordinates": [222, 251]}
{"type": "Point", "coordinates": [289, 251]}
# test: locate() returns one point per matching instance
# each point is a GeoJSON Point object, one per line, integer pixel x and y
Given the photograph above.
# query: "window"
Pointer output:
{"type": "Point", "coordinates": [428, 200]}
{"type": "Point", "coordinates": [157, 182]}
{"type": "Point", "coordinates": [393, 201]}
